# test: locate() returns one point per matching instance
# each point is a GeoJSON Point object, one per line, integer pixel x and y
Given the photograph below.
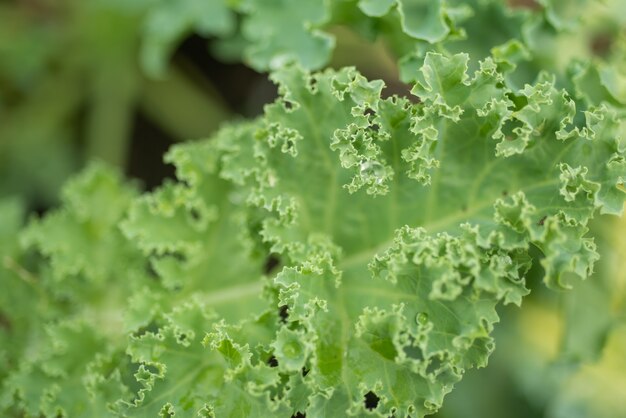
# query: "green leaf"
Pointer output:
{"type": "Point", "coordinates": [280, 31]}
{"type": "Point", "coordinates": [167, 23]}
{"type": "Point", "coordinates": [425, 314]}
{"type": "Point", "coordinates": [376, 8]}
{"type": "Point", "coordinates": [175, 373]}
{"type": "Point", "coordinates": [562, 349]}
{"type": "Point", "coordinates": [429, 21]}
{"type": "Point", "coordinates": [423, 19]}
{"type": "Point", "coordinates": [347, 252]}
{"type": "Point", "coordinates": [73, 376]}
{"type": "Point", "coordinates": [599, 83]}
{"type": "Point", "coordinates": [81, 239]}
{"type": "Point", "coordinates": [189, 228]}
{"type": "Point", "coordinates": [14, 319]}
{"type": "Point", "coordinates": [64, 309]}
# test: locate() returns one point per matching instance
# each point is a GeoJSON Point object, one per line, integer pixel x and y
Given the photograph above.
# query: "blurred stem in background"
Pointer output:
{"type": "Point", "coordinates": [176, 102]}
{"type": "Point", "coordinates": [112, 89]}
{"type": "Point", "coordinates": [372, 59]}
{"type": "Point", "coordinates": [184, 106]}
{"type": "Point", "coordinates": [71, 88]}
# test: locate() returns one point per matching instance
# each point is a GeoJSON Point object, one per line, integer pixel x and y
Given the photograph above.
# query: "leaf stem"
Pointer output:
{"type": "Point", "coordinates": [182, 107]}
{"type": "Point", "coordinates": [110, 120]}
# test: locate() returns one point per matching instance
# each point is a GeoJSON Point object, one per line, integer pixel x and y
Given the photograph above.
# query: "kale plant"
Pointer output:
{"type": "Point", "coordinates": [348, 252]}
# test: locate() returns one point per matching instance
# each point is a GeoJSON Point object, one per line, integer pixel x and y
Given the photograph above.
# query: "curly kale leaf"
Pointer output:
{"type": "Point", "coordinates": [400, 226]}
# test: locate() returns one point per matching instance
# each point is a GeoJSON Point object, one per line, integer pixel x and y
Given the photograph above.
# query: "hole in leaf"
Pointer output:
{"type": "Point", "coordinates": [194, 214]}
{"type": "Point", "coordinates": [371, 400]}
{"type": "Point", "coordinates": [283, 312]}
{"type": "Point", "coordinates": [444, 288]}
{"type": "Point", "coordinates": [176, 255]}
{"type": "Point", "coordinates": [374, 127]}
{"type": "Point", "coordinates": [151, 328]}
{"type": "Point", "coordinates": [434, 364]}
{"type": "Point", "coordinates": [542, 220]}
{"type": "Point", "coordinates": [305, 371]}
{"type": "Point", "coordinates": [369, 112]}
{"type": "Point", "coordinates": [150, 271]}
{"type": "Point", "coordinates": [298, 415]}
{"type": "Point", "coordinates": [272, 361]}
{"type": "Point", "coordinates": [271, 263]}
{"type": "Point", "coordinates": [150, 368]}
{"type": "Point", "coordinates": [519, 102]}
{"type": "Point", "coordinates": [167, 411]}
{"type": "Point", "coordinates": [5, 322]}
{"type": "Point", "coordinates": [601, 44]}
{"type": "Point", "coordinates": [414, 352]}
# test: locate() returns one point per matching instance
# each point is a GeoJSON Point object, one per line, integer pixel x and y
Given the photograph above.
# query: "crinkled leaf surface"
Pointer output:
{"type": "Point", "coordinates": [14, 320]}
{"type": "Point", "coordinates": [342, 255]}
{"type": "Point", "coordinates": [108, 288]}
{"type": "Point", "coordinates": [398, 226]}
{"type": "Point", "coordinates": [401, 226]}
{"type": "Point", "coordinates": [563, 349]}
{"type": "Point", "coordinates": [68, 285]}
{"type": "Point", "coordinates": [82, 238]}
{"type": "Point", "coordinates": [73, 376]}
{"type": "Point", "coordinates": [192, 230]}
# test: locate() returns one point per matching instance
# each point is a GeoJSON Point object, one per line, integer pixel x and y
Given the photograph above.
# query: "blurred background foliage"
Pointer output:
{"type": "Point", "coordinates": [121, 80]}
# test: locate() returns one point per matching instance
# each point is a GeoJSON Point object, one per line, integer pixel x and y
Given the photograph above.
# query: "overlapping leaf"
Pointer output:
{"type": "Point", "coordinates": [68, 287]}
{"type": "Point", "coordinates": [167, 23]}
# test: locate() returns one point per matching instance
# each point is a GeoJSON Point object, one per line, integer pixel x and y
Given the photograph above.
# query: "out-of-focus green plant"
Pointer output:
{"type": "Point", "coordinates": [71, 81]}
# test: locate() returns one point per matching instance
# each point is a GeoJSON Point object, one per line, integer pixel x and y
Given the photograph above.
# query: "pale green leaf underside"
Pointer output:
{"type": "Point", "coordinates": [280, 31]}
{"type": "Point", "coordinates": [168, 22]}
